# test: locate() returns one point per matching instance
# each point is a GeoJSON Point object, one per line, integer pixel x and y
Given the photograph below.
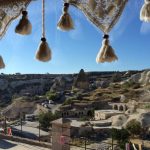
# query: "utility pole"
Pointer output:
{"type": "Point", "coordinates": [5, 126]}
{"type": "Point", "coordinates": [85, 143]}
{"type": "Point", "coordinates": [21, 121]}
{"type": "Point", "coordinates": [39, 131]}
{"type": "Point", "coordinates": [21, 124]}
{"type": "Point", "coordinates": [112, 144]}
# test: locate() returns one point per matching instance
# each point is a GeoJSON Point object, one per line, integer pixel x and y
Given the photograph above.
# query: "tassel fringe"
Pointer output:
{"type": "Point", "coordinates": [24, 27]}
{"type": "Point", "coordinates": [2, 64]}
{"type": "Point", "coordinates": [44, 52]}
{"type": "Point", "coordinates": [145, 11]}
{"type": "Point", "coordinates": [65, 22]}
{"type": "Point", "coordinates": [92, 4]}
{"type": "Point", "coordinates": [106, 53]}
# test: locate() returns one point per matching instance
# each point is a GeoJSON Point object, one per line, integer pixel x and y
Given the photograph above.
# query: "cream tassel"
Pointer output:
{"type": "Point", "coordinates": [106, 53]}
{"type": "Point", "coordinates": [44, 52]}
{"type": "Point", "coordinates": [2, 65]}
{"type": "Point", "coordinates": [65, 22]}
{"type": "Point", "coordinates": [24, 27]}
{"type": "Point", "coordinates": [92, 4]}
{"type": "Point", "coordinates": [145, 11]}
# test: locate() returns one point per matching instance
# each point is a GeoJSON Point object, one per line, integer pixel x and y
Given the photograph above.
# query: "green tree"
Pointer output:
{"type": "Point", "coordinates": [51, 95]}
{"type": "Point", "coordinates": [46, 118]}
{"type": "Point", "coordinates": [121, 136]}
{"type": "Point", "coordinates": [134, 127]}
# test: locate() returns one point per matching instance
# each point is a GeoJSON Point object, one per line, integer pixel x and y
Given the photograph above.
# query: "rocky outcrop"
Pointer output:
{"type": "Point", "coordinates": [17, 107]}
{"type": "Point", "coordinates": [142, 78]}
{"type": "Point", "coordinates": [3, 84]}
{"type": "Point", "coordinates": [81, 82]}
{"type": "Point", "coordinates": [59, 84]}
{"type": "Point", "coordinates": [143, 118]}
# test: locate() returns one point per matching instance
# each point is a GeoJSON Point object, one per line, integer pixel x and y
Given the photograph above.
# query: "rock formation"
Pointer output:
{"type": "Point", "coordinates": [81, 82]}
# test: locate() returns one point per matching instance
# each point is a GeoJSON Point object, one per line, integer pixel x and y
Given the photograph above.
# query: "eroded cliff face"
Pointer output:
{"type": "Point", "coordinates": [142, 78]}
{"type": "Point", "coordinates": [22, 85]}
{"type": "Point", "coordinates": [38, 84]}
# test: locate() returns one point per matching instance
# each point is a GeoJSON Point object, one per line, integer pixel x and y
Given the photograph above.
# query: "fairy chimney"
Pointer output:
{"type": "Point", "coordinates": [81, 82]}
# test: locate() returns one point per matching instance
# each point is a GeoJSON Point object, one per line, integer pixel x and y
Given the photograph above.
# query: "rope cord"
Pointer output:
{"type": "Point", "coordinates": [43, 18]}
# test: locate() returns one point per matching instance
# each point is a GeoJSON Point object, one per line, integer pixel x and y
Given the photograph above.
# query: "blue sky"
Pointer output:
{"type": "Point", "coordinates": [78, 48]}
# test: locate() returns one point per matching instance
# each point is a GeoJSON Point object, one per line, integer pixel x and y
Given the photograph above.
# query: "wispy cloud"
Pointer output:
{"type": "Point", "coordinates": [145, 28]}
{"type": "Point", "coordinates": [77, 33]}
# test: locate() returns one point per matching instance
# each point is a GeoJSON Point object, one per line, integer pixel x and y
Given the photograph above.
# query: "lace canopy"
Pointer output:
{"type": "Point", "coordinates": [103, 13]}
{"type": "Point", "coordinates": [9, 10]}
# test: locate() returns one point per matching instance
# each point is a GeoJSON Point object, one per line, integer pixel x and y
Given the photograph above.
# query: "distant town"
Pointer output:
{"type": "Point", "coordinates": [87, 110]}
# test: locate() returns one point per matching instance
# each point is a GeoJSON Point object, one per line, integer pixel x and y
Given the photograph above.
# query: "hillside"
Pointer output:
{"type": "Point", "coordinates": [85, 87]}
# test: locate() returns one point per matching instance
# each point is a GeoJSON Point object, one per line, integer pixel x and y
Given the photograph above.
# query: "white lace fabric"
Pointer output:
{"type": "Point", "coordinates": [10, 10]}
{"type": "Point", "coordinates": [104, 16]}
{"type": "Point", "coordinates": [106, 13]}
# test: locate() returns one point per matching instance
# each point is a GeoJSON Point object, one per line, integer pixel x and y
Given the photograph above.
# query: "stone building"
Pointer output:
{"type": "Point", "coordinates": [105, 114]}
{"type": "Point", "coordinates": [61, 134]}
{"type": "Point", "coordinates": [76, 110]}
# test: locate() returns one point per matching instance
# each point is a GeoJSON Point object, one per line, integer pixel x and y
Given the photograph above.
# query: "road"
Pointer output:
{"type": "Point", "coordinates": [5, 144]}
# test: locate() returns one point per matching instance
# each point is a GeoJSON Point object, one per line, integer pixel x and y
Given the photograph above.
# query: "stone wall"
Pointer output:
{"type": "Point", "coordinates": [26, 141]}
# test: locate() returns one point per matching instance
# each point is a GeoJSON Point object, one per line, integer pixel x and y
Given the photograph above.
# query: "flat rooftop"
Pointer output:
{"type": "Point", "coordinates": [109, 111]}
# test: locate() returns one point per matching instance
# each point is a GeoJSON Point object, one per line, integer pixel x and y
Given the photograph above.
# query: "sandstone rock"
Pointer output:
{"type": "Point", "coordinates": [135, 78]}
{"type": "Point", "coordinates": [143, 78]}
{"type": "Point", "coordinates": [59, 84]}
{"type": "Point", "coordinates": [81, 82]}
{"type": "Point", "coordinates": [143, 118]}
{"type": "Point", "coordinates": [3, 84]}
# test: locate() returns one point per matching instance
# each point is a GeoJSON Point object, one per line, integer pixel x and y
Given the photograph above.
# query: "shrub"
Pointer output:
{"type": "Point", "coordinates": [130, 84]}
{"type": "Point", "coordinates": [46, 118]}
{"type": "Point", "coordinates": [147, 106]}
{"type": "Point", "coordinates": [51, 96]}
{"type": "Point", "coordinates": [134, 127]}
{"type": "Point", "coordinates": [68, 101]}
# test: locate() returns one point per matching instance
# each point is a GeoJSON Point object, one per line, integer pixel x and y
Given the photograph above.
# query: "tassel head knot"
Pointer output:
{"type": "Point", "coordinates": [66, 7]}
{"type": "Point", "coordinates": [43, 39]}
{"type": "Point", "coordinates": [24, 13]}
{"type": "Point", "coordinates": [106, 36]}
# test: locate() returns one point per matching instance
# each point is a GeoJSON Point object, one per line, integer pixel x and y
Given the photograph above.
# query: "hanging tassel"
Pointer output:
{"type": "Point", "coordinates": [65, 22]}
{"type": "Point", "coordinates": [44, 52]}
{"type": "Point", "coordinates": [24, 27]}
{"type": "Point", "coordinates": [2, 65]}
{"type": "Point", "coordinates": [106, 53]}
{"type": "Point", "coordinates": [92, 4]}
{"type": "Point", "coordinates": [145, 11]}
